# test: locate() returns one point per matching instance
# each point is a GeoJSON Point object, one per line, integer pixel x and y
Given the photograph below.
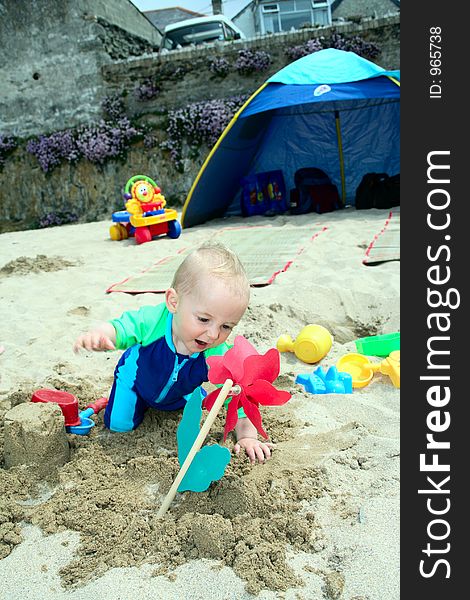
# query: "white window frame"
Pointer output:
{"type": "Point", "coordinates": [275, 11]}
{"type": "Point", "coordinates": [267, 9]}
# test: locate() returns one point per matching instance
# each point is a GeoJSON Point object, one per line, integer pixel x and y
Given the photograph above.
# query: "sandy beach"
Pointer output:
{"type": "Point", "coordinates": [320, 520]}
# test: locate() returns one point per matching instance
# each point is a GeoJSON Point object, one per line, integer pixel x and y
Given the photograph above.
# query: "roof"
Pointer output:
{"type": "Point", "coordinates": [334, 5]}
{"type": "Point", "coordinates": [247, 4]}
{"type": "Point", "coordinates": [166, 16]}
{"type": "Point", "coordinates": [337, 3]}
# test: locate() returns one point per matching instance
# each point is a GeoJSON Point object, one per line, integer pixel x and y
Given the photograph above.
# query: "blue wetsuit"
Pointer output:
{"type": "Point", "coordinates": [151, 373]}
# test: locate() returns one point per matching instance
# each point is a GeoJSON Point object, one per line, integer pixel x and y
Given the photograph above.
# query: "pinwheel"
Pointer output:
{"type": "Point", "coordinates": [254, 373]}
{"type": "Point", "coordinates": [247, 378]}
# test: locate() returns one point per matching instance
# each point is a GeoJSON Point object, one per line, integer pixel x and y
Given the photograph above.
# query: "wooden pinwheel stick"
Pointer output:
{"type": "Point", "coordinates": [227, 389]}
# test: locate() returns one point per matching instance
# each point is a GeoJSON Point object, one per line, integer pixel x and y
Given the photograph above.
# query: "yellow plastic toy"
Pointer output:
{"type": "Point", "coordinates": [145, 216]}
{"type": "Point", "coordinates": [312, 344]}
{"type": "Point", "coordinates": [144, 196]}
{"type": "Point", "coordinates": [362, 370]}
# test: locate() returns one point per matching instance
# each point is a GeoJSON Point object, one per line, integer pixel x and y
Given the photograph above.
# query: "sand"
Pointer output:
{"type": "Point", "coordinates": [319, 520]}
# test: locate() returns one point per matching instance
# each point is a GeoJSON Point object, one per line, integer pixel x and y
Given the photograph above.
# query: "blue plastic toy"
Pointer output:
{"type": "Point", "coordinates": [210, 462]}
{"type": "Point", "coordinates": [331, 381]}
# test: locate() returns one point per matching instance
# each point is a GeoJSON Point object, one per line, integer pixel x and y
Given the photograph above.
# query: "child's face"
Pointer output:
{"type": "Point", "coordinates": [205, 317]}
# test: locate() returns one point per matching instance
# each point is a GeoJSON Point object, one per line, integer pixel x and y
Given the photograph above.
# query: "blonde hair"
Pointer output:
{"type": "Point", "coordinates": [216, 260]}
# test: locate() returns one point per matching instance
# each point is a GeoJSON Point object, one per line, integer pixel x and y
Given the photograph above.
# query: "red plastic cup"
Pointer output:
{"type": "Point", "coordinates": [68, 404]}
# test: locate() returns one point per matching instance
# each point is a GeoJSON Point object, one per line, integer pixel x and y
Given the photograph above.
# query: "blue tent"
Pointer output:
{"type": "Point", "coordinates": [332, 110]}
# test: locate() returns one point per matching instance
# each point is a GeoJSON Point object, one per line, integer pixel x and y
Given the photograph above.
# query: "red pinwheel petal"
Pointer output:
{"type": "Point", "coordinates": [232, 416]}
{"type": "Point", "coordinates": [265, 393]}
{"type": "Point", "coordinates": [235, 357]}
{"type": "Point", "coordinates": [262, 366]}
{"type": "Point", "coordinates": [218, 372]}
{"type": "Point", "coordinates": [252, 412]}
{"type": "Point", "coordinates": [209, 400]}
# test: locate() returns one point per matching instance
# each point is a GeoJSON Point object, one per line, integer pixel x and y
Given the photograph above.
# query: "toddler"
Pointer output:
{"type": "Point", "coordinates": [166, 346]}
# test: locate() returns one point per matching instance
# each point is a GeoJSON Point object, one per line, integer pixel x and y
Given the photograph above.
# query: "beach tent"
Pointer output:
{"type": "Point", "coordinates": [330, 110]}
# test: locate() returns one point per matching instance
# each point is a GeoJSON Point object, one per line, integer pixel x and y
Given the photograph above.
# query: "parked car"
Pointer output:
{"type": "Point", "coordinates": [199, 31]}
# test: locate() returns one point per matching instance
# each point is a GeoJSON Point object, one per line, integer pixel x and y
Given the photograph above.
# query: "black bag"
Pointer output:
{"type": "Point", "coordinates": [378, 190]}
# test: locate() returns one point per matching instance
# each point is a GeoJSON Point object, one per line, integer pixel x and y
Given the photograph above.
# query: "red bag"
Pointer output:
{"type": "Point", "coordinates": [314, 191]}
{"type": "Point", "coordinates": [325, 197]}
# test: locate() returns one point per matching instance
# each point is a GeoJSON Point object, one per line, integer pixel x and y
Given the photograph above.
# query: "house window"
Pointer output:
{"type": "Point", "coordinates": [293, 14]}
{"type": "Point", "coordinates": [270, 8]}
{"type": "Point", "coordinates": [270, 18]}
{"type": "Point", "coordinates": [295, 20]}
{"type": "Point", "coordinates": [272, 23]}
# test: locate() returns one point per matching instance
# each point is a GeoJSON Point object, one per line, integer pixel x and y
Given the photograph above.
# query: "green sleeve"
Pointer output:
{"type": "Point", "coordinates": [219, 350]}
{"type": "Point", "coordinates": [240, 411]}
{"type": "Point", "coordinates": [142, 326]}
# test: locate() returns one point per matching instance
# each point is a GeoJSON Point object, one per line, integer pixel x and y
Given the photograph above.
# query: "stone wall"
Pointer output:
{"type": "Point", "coordinates": [185, 76]}
{"type": "Point", "coordinates": [52, 54]}
{"type": "Point", "coordinates": [349, 9]}
{"type": "Point", "coordinates": [94, 191]}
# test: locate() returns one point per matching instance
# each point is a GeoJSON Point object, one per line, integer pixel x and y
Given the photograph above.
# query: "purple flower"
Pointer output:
{"type": "Point", "coordinates": [97, 142]}
{"type": "Point", "coordinates": [311, 46]}
{"type": "Point", "coordinates": [113, 107]}
{"type": "Point", "coordinates": [219, 66]}
{"type": "Point", "coordinates": [105, 140]}
{"type": "Point", "coordinates": [60, 218]}
{"type": "Point", "coordinates": [199, 123]}
{"type": "Point", "coordinates": [150, 141]}
{"type": "Point", "coordinates": [355, 44]}
{"type": "Point", "coordinates": [248, 61]}
{"type": "Point", "coordinates": [53, 149]}
{"type": "Point", "coordinates": [147, 90]}
{"type": "Point", "coordinates": [7, 145]}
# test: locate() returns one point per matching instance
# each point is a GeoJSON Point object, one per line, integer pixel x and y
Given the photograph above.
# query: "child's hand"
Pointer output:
{"type": "Point", "coordinates": [94, 340]}
{"type": "Point", "coordinates": [254, 448]}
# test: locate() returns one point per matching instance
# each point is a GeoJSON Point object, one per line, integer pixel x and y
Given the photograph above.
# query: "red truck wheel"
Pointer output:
{"type": "Point", "coordinates": [142, 235]}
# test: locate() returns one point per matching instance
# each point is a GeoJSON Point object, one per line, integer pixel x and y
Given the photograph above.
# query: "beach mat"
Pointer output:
{"type": "Point", "coordinates": [264, 250]}
{"type": "Point", "coordinates": [386, 244]}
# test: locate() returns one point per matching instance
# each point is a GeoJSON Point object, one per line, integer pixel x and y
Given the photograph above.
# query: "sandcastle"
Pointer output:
{"type": "Point", "coordinates": [35, 436]}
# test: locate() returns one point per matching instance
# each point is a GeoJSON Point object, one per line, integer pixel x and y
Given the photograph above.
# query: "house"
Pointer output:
{"type": "Point", "coordinates": [261, 17]}
{"type": "Point", "coordinates": [167, 16]}
{"type": "Point", "coordinates": [353, 9]}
